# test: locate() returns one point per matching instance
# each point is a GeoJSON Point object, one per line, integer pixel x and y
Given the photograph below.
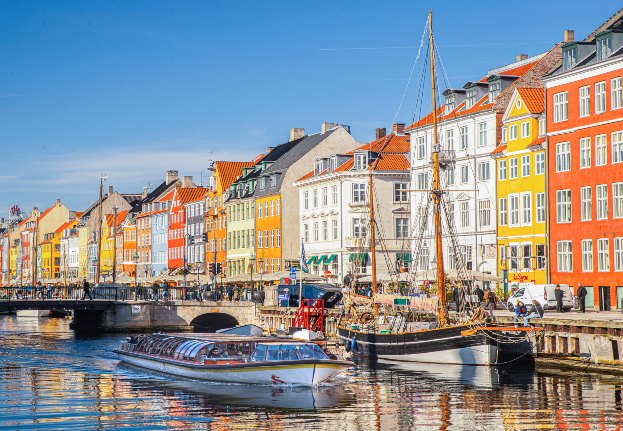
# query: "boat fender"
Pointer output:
{"type": "Point", "coordinates": [347, 346]}
{"type": "Point", "coordinates": [353, 345]}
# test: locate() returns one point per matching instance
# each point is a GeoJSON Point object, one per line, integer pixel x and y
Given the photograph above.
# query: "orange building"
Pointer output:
{"type": "Point", "coordinates": [223, 174]}
{"type": "Point", "coordinates": [129, 259]}
{"type": "Point", "coordinates": [584, 100]}
{"type": "Point", "coordinates": [268, 231]}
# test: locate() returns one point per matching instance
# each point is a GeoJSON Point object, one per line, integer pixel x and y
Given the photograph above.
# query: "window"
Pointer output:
{"type": "Point", "coordinates": [601, 156]}
{"type": "Point", "coordinates": [503, 212]}
{"type": "Point", "coordinates": [465, 214]}
{"type": "Point", "coordinates": [273, 180]}
{"type": "Point", "coordinates": [272, 238]}
{"type": "Point", "coordinates": [334, 225]}
{"type": "Point", "coordinates": [262, 183]}
{"type": "Point", "coordinates": [483, 172]}
{"type": "Point", "coordinates": [334, 194]}
{"type": "Point", "coordinates": [482, 134]}
{"type": "Point", "coordinates": [359, 193]}
{"type": "Point", "coordinates": [501, 170]}
{"type": "Point", "coordinates": [361, 161]}
{"type": "Point", "coordinates": [601, 190]}
{"type": "Point", "coordinates": [450, 176]}
{"type": "Point", "coordinates": [315, 198]}
{"type": "Point", "coordinates": [569, 57]}
{"type": "Point", "coordinates": [316, 231]}
{"type": "Point", "coordinates": [513, 204]}
{"type": "Point", "coordinates": [504, 138]}
{"type": "Point", "coordinates": [542, 126]}
{"type": "Point", "coordinates": [278, 237]}
{"type": "Point", "coordinates": [525, 165]}
{"type": "Point", "coordinates": [494, 89]}
{"type": "Point", "coordinates": [464, 174]}
{"type": "Point", "coordinates": [400, 192]}
{"type": "Point", "coordinates": [513, 168]}
{"type": "Point", "coordinates": [471, 98]}
{"type": "Point", "coordinates": [585, 101]}
{"type": "Point", "coordinates": [565, 256]}
{"type": "Point", "coordinates": [540, 256]}
{"type": "Point", "coordinates": [421, 147]}
{"type": "Point", "coordinates": [305, 233]}
{"type": "Point", "coordinates": [540, 208]}
{"type": "Point", "coordinates": [450, 104]}
{"type": "Point", "coordinates": [561, 108]}
{"type": "Point", "coordinates": [600, 97]}
{"type": "Point", "coordinates": [617, 147]}
{"type": "Point", "coordinates": [450, 140]}
{"type": "Point", "coordinates": [526, 208]}
{"type": "Point", "coordinates": [587, 255]}
{"type": "Point", "coordinates": [585, 153]}
{"type": "Point", "coordinates": [358, 228]}
{"type": "Point", "coordinates": [402, 227]}
{"type": "Point", "coordinates": [539, 163]}
{"type": "Point", "coordinates": [604, 47]}
{"type": "Point", "coordinates": [325, 196]}
{"type": "Point", "coordinates": [616, 93]}
{"type": "Point", "coordinates": [305, 200]}
{"type": "Point", "coordinates": [325, 230]}
{"type": "Point", "coordinates": [618, 254]}
{"type": "Point", "coordinates": [617, 200]}
{"type": "Point", "coordinates": [603, 255]}
{"type": "Point", "coordinates": [563, 206]}
{"type": "Point", "coordinates": [260, 238]}
{"type": "Point", "coordinates": [484, 212]}
{"type": "Point", "coordinates": [563, 156]}
{"type": "Point", "coordinates": [272, 208]}
{"type": "Point", "coordinates": [514, 257]}
{"type": "Point", "coordinates": [526, 254]}
{"type": "Point", "coordinates": [512, 132]}
{"type": "Point", "coordinates": [525, 129]}
{"type": "Point", "coordinates": [586, 203]}
{"type": "Point", "coordinates": [422, 180]}
{"type": "Point", "coordinates": [463, 137]}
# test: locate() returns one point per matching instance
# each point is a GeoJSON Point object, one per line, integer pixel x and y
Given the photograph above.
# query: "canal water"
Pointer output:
{"type": "Point", "coordinates": [51, 379]}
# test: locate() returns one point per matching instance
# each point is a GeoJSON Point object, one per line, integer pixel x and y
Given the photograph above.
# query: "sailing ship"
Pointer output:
{"type": "Point", "coordinates": [415, 334]}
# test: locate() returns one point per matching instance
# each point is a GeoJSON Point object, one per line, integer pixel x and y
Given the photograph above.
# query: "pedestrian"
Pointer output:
{"type": "Point", "coordinates": [582, 292]}
{"type": "Point", "coordinates": [230, 293]}
{"type": "Point", "coordinates": [348, 279]}
{"type": "Point", "coordinates": [48, 291]}
{"type": "Point", "coordinates": [154, 291]}
{"type": "Point", "coordinates": [520, 311]}
{"type": "Point", "coordinates": [481, 295]}
{"type": "Point", "coordinates": [490, 302]}
{"type": "Point", "coordinates": [559, 294]}
{"type": "Point", "coordinates": [457, 299]}
{"type": "Point", "coordinates": [86, 290]}
{"type": "Point", "coordinates": [535, 311]}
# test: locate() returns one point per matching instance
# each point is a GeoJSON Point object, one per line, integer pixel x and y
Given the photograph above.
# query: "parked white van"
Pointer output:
{"type": "Point", "coordinates": [544, 293]}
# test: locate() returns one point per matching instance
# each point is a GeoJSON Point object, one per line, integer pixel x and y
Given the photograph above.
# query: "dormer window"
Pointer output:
{"type": "Point", "coordinates": [318, 167]}
{"type": "Point", "coordinates": [569, 57]}
{"type": "Point", "coordinates": [450, 104]}
{"type": "Point", "coordinates": [495, 87]}
{"type": "Point", "coordinates": [332, 163]}
{"type": "Point", "coordinates": [504, 134]}
{"type": "Point", "coordinates": [471, 98]}
{"type": "Point", "coordinates": [273, 180]}
{"type": "Point", "coordinates": [361, 161]}
{"type": "Point", "coordinates": [604, 46]}
{"type": "Point", "coordinates": [262, 183]}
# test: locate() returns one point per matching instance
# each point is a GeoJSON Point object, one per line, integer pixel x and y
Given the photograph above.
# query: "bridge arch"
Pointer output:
{"type": "Point", "coordinates": [210, 322]}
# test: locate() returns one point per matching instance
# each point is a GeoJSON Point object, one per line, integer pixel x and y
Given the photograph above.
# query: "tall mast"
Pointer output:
{"type": "Point", "coordinates": [372, 239]}
{"type": "Point", "coordinates": [437, 193]}
{"type": "Point", "coordinates": [99, 232]}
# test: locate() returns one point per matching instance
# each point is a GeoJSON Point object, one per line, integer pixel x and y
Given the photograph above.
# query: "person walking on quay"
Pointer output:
{"type": "Point", "coordinates": [535, 311]}
{"type": "Point", "coordinates": [86, 290]}
{"type": "Point", "coordinates": [520, 311]}
{"type": "Point", "coordinates": [582, 292]}
{"type": "Point", "coordinates": [559, 294]}
{"type": "Point", "coordinates": [48, 291]}
{"type": "Point", "coordinates": [230, 293]}
{"type": "Point", "coordinates": [457, 299]}
{"type": "Point", "coordinates": [481, 295]}
{"type": "Point", "coordinates": [490, 302]}
{"type": "Point", "coordinates": [154, 291]}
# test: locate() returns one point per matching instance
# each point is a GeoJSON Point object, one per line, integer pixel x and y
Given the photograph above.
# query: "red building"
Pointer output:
{"type": "Point", "coordinates": [177, 223]}
{"type": "Point", "coordinates": [584, 99]}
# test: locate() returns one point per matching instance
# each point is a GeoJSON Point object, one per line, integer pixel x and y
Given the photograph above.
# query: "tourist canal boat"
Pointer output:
{"type": "Point", "coordinates": [248, 360]}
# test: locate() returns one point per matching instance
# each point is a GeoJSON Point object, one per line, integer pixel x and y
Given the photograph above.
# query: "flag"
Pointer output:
{"type": "Point", "coordinates": [304, 267]}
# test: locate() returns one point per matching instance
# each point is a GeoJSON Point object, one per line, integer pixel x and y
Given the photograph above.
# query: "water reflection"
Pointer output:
{"type": "Point", "coordinates": [50, 379]}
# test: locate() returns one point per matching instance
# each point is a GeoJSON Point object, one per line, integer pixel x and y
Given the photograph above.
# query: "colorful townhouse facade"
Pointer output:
{"type": "Point", "coordinates": [194, 207]}
{"type": "Point", "coordinates": [159, 234]}
{"type": "Point", "coordinates": [335, 208]}
{"type": "Point", "coordinates": [522, 191]}
{"type": "Point", "coordinates": [584, 106]}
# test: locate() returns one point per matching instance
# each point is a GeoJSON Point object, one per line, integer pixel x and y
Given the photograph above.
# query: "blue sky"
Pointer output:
{"type": "Point", "coordinates": [133, 88]}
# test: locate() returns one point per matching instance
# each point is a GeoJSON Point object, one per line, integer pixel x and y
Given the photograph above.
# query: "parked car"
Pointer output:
{"type": "Point", "coordinates": [544, 293]}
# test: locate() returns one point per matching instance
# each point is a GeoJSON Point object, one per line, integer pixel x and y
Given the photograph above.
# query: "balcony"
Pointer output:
{"type": "Point", "coordinates": [447, 158]}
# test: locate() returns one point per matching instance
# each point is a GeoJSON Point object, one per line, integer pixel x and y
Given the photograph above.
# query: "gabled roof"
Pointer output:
{"type": "Point", "coordinates": [46, 212]}
{"type": "Point", "coordinates": [498, 150]}
{"type": "Point", "coordinates": [534, 98]}
{"type": "Point", "coordinates": [65, 225]}
{"type": "Point", "coordinates": [229, 171]}
{"type": "Point", "coordinates": [167, 197]}
{"type": "Point", "coordinates": [191, 194]}
{"type": "Point", "coordinates": [110, 218]}
{"type": "Point", "coordinates": [537, 141]}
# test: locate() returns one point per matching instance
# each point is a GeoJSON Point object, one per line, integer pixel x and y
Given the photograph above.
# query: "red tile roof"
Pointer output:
{"type": "Point", "coordinates": [64, 226]}
{"type": "Point", "coordinates": [167, 197]}
{"type": "Point", "coordinates": [120, 217]}
{"type": "Point", "coordinates": [46, 212]}
{"type": "Point", "coordinates": [191, 194]}
{"type": "Point", "coordinates": [519, 70]}
{"type": "Point", "coordinates": [534, 98]}
{"type": "Point", "coordinates": [391, 162]}
{"type": "Point", "coordinates": [229, 171]}
{"type": "Point", "coordinates": [499, 149]}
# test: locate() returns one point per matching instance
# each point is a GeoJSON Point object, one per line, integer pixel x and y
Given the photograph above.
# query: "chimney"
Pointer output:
{"type": "Point", "coordinates": [58, 201]}
{"type": "Point", "coordinates": [296, 133]}
{"type": "Point", "coordinates": [568, 36]}
{"type": "Point", "coordinates": [110, 190]}
{"type": "Point", "coordinates": [72, 215]}
{"type": "Point", "coordinates": [521, 57]}
{"type": "Point", "coordinates": [170, 177]}
{"type": "Point", "coordinates": [144, 194]}
{"type": "Point", "coordinates": [398, 128]}
{"type": "Point", "coordinates": [326, 126]}
{"type": "Point", "coordinates": [187, 181]}
{"type": "Point", "coordinates": [381, 132]}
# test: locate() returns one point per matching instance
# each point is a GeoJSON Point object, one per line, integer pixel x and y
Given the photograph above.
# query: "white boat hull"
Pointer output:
{"type": "Point", "coordinates": [485, 354]}
{"type": "Point", "coordinates": [295, 374]}
{"type": "Point", "coordinates": [32, 313]}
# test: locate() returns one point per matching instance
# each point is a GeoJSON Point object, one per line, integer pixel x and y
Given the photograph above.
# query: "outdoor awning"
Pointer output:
{"type": "Point", "coordinates": [404, 257]}
{"type": "Point", "coordinates": [361, 258]}
{"type": "Point", "coordinates": [330, 259]}
{"type": "Point", "coordinates": [321, 259]}
{"type": "Point", "coordinates": [312, 260]}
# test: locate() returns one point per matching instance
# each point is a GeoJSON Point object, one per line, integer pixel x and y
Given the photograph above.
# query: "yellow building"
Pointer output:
{"type": "Point", "coordinates": [106, 253]}
{"type": "Point", "coordinates": [521, 190]}
{"type": "Point", "coordinates": [13, 253]}
{"type": "Point", "coordinates": [83, 251]}
{"type": "Point", "coordinates": [45, 269]}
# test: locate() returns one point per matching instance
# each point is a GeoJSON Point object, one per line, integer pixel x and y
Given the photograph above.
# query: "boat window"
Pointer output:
{"type": "Point", "coordinates": [186, 352]}
{"type": "Point", "coordinates": [310, 351]}
{"type": "Point", "coordinates": [281, 352]}
{"type": "Point", "coordinates": [193, 353]}
{"type": "Point", "coordinates": [259, 355]}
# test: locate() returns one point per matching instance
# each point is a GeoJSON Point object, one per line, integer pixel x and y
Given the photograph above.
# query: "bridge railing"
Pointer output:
{"type": "Point", "coordinates": [131, 293]}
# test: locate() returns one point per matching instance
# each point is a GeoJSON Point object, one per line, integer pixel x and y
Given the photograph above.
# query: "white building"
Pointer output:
{"type": "Point", "coordinates": [334, 210]}
{"type": "Point", "coordinates": [468, 132]}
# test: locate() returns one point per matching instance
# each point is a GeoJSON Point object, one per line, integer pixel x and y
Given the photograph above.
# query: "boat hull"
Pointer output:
{"type": "Point", "coordinates": [440, 346]}
{"type": "Point", "coordinates": [303, 373]}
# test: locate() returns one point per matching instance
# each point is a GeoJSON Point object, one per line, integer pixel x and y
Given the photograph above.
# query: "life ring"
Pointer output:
{"type": "Point", "coordinates": [365, 318]}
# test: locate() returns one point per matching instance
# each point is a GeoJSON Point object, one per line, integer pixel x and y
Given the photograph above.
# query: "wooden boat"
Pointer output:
{"type": "Point", "coordinates": [231, 359]}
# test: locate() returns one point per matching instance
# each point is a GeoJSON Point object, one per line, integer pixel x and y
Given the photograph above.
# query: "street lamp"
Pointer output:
{"type": "Point", "coordinates": [199, 290]}
{"type": "Point", "coordinates": [252, 264]}
{"type": "Point", "coordinates": [94, 271]}
{"type": "Point", "coordinates": [135, 259]}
